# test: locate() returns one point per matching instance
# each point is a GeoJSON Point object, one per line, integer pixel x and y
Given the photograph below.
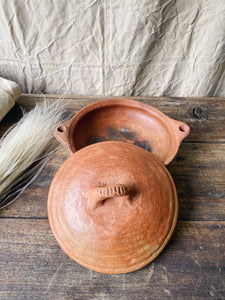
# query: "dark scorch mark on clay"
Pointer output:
{"type": "Point", "coordinates": [123, 135]}
{"type": "Point", "coordinates": [96, 139]}
{"type": "Point", "coordinates": [119, 134]}
{"type": "Point", "coordinates": [130, 135]}
{"type": "Point", "coordinates": [113, 133]}
{"type": "Point", "coordinates": [143, 144]}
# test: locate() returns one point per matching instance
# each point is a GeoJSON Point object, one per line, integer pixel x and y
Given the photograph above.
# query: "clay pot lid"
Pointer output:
{"type": "Point", "coordinates": [112, 207]}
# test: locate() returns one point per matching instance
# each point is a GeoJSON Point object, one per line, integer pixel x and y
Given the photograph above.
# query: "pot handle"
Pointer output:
{"type": "Point", "coordinates": [181, 129]}
{"type": "Point", "coordinates": [99, 195]}
{"type": "Point", "coordinates": [61, 133]}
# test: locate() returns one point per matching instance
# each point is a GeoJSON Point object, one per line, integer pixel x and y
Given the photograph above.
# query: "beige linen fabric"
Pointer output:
{"type": "Point", "coordinates": [9, 92]}
{"type": "Point", "coordinates": [114, 47]}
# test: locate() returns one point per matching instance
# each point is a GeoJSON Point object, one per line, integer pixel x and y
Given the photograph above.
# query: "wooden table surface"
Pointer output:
{"type": "Point", "coordinates": [192, 266]}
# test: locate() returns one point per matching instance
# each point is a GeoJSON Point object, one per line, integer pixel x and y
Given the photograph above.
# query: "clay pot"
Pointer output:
{"type": "Point", "coordinates": [127, 121]}
{"type": "Point", "coordinates": [113, 206]}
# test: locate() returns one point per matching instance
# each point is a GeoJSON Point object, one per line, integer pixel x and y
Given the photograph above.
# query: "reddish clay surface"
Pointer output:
{"type": "Point", "coordinates": [112, 206]}
{"type": "Point", "coordinates": [127, 121]}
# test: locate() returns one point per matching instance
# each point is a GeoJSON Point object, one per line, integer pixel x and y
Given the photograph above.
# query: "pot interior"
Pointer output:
{"type": "Point", "coordinates": [119, 122]}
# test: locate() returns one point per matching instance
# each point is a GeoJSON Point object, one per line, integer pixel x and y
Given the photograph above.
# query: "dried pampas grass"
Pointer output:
{"type": "Point", "coordinates": [26, 147]}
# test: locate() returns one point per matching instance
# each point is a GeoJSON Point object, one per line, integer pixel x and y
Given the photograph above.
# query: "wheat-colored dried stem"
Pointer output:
{"type": "Point", "coordinates": [30, 141]}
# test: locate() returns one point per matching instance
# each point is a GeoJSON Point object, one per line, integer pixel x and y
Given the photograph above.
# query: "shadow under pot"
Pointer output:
{"type": "Point", "coordinates": [127, 121]}
{"type": "Point", "coordinates": [112, 207]}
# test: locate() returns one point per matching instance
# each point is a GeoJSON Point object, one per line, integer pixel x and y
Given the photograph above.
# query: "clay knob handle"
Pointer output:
{"type": "Point", "coordinates": [100, 194]}
{"type": "Point", "coordinates": [111, 191]}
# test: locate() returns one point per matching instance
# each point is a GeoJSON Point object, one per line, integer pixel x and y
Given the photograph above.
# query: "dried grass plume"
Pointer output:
{"type": "Point", "coordinates": [26, 147]}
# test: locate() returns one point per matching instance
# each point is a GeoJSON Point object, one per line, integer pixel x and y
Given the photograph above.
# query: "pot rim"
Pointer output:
{"type": "Point", "coordinates": [177, 130]}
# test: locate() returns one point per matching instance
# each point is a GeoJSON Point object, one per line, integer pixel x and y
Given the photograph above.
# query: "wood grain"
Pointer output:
{"type": "Point", "coordinates": [205, 116]}
{"type": "Point", "coordinates": [198, 172]}
{"type": "Point", "coordinates": [192, 266]}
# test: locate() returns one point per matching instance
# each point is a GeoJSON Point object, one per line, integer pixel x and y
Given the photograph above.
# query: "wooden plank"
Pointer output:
{"type": "Point", "coordinates": [206, 116]}
{"type": "Point", "coordinates": [198, 169]}
{"type": "Point", "coordinates": [199, 161]}
{"type": "Point", "coordinates": [198, 172]}
{"type": "Point", "coordinates": [192, 266]}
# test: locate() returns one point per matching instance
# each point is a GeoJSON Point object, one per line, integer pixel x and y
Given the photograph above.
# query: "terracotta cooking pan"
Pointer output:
{"type": "Point", "coordinates": [126, 121]}
{"type": "Point", "coordinates": [112, 205]}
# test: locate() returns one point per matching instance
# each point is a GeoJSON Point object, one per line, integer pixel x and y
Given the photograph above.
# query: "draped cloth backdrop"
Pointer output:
{"type": "Point", "coordinates": [114, 47]}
